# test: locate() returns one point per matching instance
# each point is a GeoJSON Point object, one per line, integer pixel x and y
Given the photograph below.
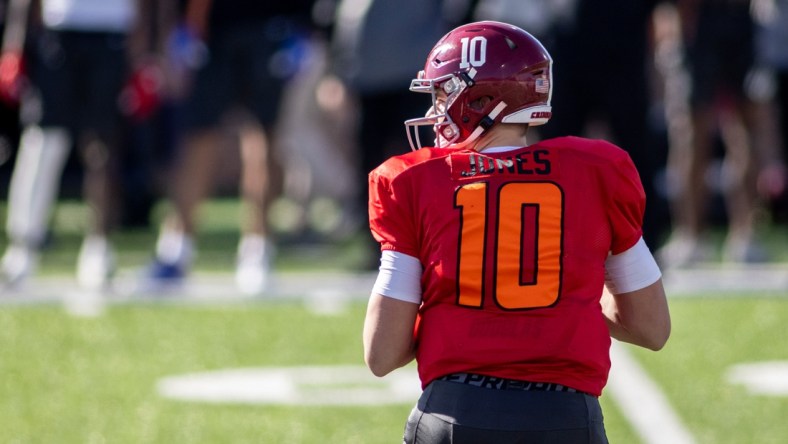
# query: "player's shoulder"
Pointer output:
{"type": "Point", "coordinates": [396, 165]}
{"type": "Point", "coordinates": [589, 149]}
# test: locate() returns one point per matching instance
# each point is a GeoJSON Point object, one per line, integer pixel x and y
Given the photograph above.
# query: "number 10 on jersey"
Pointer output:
{"type": "Point", "coordinates": [527, 248]}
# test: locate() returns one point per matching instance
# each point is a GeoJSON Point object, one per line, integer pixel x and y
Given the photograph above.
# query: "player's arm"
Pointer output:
{"type": "Point", "coordinates": [391, 313]}
{"type": "Point", "coordinates": [639, 317]}
{"type": "Point", "coordinates": [634, 302]}
{"type": "Point", "coordinates": [388, 334]}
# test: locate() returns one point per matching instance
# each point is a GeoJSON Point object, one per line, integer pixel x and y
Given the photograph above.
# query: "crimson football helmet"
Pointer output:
{"type": "Point", "coordinates": [484, 59]}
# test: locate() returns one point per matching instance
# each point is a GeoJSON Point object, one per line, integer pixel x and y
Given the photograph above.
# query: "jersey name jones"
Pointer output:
{"type": "Point", "coordinates": [527, 163]}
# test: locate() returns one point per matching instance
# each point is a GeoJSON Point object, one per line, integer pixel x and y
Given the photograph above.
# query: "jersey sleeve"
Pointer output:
{"type": "Point", "coordinates": [390, 221]}
{"type": "Point", "coordinates": [628, 204]}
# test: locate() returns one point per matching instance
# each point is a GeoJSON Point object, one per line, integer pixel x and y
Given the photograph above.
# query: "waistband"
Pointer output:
{"type": "Point", "coordinates": [495, 383]}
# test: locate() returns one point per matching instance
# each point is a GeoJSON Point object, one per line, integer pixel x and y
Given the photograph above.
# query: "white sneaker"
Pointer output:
{"type": "Point", "coordinates": [253, 268]}
{"type": "Point", "coordinates": [744, 250]}
{"type": "Point", "coordinates": [683, 250]}
{"type": "Point", "coordinates": [19, 262]}
{"type": "Point", "coordinates": [96, 263]}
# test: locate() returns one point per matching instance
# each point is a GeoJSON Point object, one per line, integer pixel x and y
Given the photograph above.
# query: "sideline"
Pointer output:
{"type": "Point", "coordinates": [728, 279]}
{"type": "Point", "coordinates": [325, 288]}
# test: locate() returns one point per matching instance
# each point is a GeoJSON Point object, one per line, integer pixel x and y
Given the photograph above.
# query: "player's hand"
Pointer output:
{"type": "Point", "coordinates": [141, 96]}
{"type": "Point", "coordinates": [12, 77]}
{"type": "Point", "coordinates": [186, 49]}
{"type": "Point", "coordinates": [772, 181]}
{"type": "Point", "coordinates": [186, 52]}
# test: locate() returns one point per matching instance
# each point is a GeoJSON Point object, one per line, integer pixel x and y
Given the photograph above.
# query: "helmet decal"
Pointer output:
{"type": "Point", "coordinates": [542, 85]}
{"type": "Point", "coordinates": [474, 52]}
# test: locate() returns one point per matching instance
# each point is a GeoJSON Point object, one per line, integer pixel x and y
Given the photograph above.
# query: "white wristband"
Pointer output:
{"type": "Point", "coordinates": [631, 270]}
{"type": "Point", "coordinates": [399, 277]}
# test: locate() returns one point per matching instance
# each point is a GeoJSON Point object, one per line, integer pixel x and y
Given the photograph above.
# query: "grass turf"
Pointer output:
{"type": "Point", "coordinates": [76, 380]}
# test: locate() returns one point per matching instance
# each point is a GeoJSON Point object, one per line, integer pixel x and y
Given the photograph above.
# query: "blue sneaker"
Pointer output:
{"type": "Point", "coordinates": [163, 277]}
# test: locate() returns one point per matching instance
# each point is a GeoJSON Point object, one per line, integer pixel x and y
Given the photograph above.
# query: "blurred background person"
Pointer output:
{"type": "Point", "coordinates": [242, 54]}
{"type": "Point", "coordinates": [772, 49]}
{"type": "Point", "coordinates": [9, 105]}
{"type": "Point", "coordinates": [316, 147]}
{"type": "Point", "coordinates": [77, 56]}
{"type": "Point", "coordinates": [727, 106]}
{"type": "Point", "coordinates": [377, 46]}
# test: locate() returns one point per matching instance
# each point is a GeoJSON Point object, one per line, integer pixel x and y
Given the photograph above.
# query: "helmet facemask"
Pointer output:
{"type": "Point", "coordinates": [446, 131]}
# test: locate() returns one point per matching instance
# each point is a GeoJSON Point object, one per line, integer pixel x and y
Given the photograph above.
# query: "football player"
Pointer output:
{"type": "Point", "coordinates": [496, 254]}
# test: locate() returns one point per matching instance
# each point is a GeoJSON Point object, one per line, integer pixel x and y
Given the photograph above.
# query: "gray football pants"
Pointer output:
{"type": "Point", "coordinates": [449, 412]}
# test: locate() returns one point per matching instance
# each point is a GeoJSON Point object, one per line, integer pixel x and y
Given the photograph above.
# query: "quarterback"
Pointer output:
{"type": "Point", "coordinates": [506, 268]}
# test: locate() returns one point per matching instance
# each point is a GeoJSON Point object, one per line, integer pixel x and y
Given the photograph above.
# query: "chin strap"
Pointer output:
{"type": "Point", "coordinates": [486, 123]}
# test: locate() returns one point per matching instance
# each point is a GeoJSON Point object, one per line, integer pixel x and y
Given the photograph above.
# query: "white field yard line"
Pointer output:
{"type": "Point", "coordinates": [642, 402]}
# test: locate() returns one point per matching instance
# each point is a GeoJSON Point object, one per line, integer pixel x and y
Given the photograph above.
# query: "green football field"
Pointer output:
{"type": "Point", "coordinates": [211, 366]}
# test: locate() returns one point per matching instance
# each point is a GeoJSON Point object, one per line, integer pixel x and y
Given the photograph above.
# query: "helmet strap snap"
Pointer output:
{"type": "Point", "coordinates": [467, 79]}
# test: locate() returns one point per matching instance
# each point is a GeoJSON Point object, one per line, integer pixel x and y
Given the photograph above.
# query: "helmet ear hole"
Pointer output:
{"type": "Point", "coordinates": [480, 103]}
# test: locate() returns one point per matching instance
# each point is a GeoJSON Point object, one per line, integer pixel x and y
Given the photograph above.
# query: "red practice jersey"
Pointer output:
{"type": "Point", "coordinates": [513, 248]}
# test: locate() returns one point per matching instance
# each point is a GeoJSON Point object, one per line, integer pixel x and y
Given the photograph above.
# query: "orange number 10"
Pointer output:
{"type": "Point", "coordinates": [527, 261]}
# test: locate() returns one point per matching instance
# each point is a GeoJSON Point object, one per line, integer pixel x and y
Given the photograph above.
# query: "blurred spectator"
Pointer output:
{"type": "Point", "coordinates": [76, 56]}
{"type": "Point", "coordinates": [602, 57]}
{"type": "Point", "coordinates": [315, 143]}
{"type": "Point", "coordinates": [726, 103]}
{"type": "Point", "coordinates": [239, 54]}
{"type": "Point", "coordinates": [378, 48]}
{"type": "Point", "coordinates": [772, 45]}
{"type": "Point", "coordinates": [538, 17]}
{"type": "Point", "coordinates": [9, 114]}
{"type": "Point", "coordinates": [147, 101]}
